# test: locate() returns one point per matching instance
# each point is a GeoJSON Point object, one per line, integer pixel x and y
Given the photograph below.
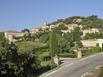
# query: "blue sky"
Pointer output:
{"type": "Point", "coordinates": [19, 14]}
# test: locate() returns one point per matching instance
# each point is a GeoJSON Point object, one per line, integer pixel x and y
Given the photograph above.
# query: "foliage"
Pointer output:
{"type": "Point", "coordinates": [53, 43]}
{"type": "Point", "coordinates": [44, 38]}
{"type": "Point", "coordinates": [28, 46]}
{"type": "Point", "coordinates": [61, 26]}
{"type": "Point", "coordinates": [68, 55]}
{"type": "Point", "coordinates": [76, 34]}
{"type": "Point", "coordinates": [101, 72]}
{"type": "Point", "coordinates": [91, 50]}
{"type": "Point", "coordinates": [64, 45]}
{"type": "Point", "coordinates": [1, 36]}
{"type": "Point", "coordinates": [44, 56]}
{"type": "Point", "coordinates": [92, 22]}
{"type": "Point", "coordinates": [95, 49]}
{"type": "Point", "coordinates": [72, 19]}
{"type": "Point", "coordinates": [26, 30]}
{"type": "Point", "coordinates": [13, 64]}
{"type": "Point", "coordinates": [87, 22]}
{"type": "Point", "coordinates": [95, 35]}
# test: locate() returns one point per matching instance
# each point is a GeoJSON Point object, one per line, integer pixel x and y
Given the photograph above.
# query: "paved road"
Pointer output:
{"type": "Point", "coordinates": [77, 68]}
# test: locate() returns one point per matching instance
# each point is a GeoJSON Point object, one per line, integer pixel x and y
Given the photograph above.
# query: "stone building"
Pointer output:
{"type": "Point", "coordinates": [89, 43]}
{"type": "Point", "coordinates": [93, 30]}
{"type": "Point", "coordinates": [10, 35]}
{"type": "Point", "coordinates": [35, 30]}
{"type": "Point", "coordinates": [92, 43]}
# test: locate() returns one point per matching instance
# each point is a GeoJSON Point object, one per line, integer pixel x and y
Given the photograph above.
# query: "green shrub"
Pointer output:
{"type": "Point", "coordinates": [95, 49]}
{"type": "Point", "coordinates": [2, 51]}
{"type": "Point", "coordinates": [101, 72]}
{"type": "Point", "coordinates": [91, 51]}
{"type": "Point", "coordinates": [44, 56]}
{"type": "Point", "coordinates": [67, 55]}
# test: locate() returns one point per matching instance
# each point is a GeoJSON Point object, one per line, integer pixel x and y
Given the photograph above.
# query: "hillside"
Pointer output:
{"type": "Point", "coordinates": [91, 27]}
{"type": "Point", "coordinates": [87, 22]}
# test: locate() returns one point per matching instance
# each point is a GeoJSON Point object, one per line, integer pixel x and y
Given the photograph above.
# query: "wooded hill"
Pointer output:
{"type": "Point", "coordinates": [91, 27]}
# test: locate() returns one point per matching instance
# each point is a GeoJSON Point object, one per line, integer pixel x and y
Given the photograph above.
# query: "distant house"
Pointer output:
{"type": "Point", "coordinates": [11, 34]}
{"type": "Point", "coordinates": [92, 43]}
{"type": "Point", "coordinates": [35, 30]}
{"type": "Point", "coordinates": [93, 30]}
{"type": "Point", "coordinates": [73, 26]}
{"type": "Point", "coordinates": [89, 43]}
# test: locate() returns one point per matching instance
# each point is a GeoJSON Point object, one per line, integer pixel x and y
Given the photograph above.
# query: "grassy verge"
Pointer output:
{"type": "Point", "coordinates": [101, 73]}
{"type": "Point", "coordinates": [91, 51]}
{"type": "Point", "coordinates": [68, 55]}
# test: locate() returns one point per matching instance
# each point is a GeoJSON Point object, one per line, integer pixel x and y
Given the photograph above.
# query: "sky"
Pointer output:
{"type": "Point", "coordinates": [20, 14]}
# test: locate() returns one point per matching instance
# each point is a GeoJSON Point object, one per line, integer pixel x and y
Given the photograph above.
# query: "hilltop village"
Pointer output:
{"type": "Point", "coordinates": [88, 26]}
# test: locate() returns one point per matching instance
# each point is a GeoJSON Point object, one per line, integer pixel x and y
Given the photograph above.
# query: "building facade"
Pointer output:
{"type": "Point", "coordinates": [92, 43]}
{"type": "Point", "coordinates": [10, 35]}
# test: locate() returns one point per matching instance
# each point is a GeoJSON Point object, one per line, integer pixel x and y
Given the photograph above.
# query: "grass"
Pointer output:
{"type": "Point", "coordinates": [68, 55]}
{"type": "Point", "coordinates": [45, 63]}
{"type": "Point", "coordinates": [28, 46]}
{"type": "Point", "coordinates": [101, 74]}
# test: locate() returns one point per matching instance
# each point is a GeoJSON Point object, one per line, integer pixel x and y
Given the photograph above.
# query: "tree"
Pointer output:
{"type": "Point", "coordinates": [53, 46]}
{"type": "Point", "coordinates": [44, 38]}
{"type": "Point", "coordinates": [27, 35]}
{"type": "Point", "coordinates": [76, 34]}
{"type": "Point", "coordinates": [25, 30]}
{"type": "Point", "coordinates": [93, 17]}
{"type": "Point", "coordinates": [59, 29]}
{"type": "Point", "coordinates": [64, 44]}
{"type": "Point", "coordinates": [1, 36]}
{"type": "Point", "coordinates": [13, 64]}
{"type": "Point", "coordinates": [62, 27]}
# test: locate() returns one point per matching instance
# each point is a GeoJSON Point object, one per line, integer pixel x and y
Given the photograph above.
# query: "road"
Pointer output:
{"type": "Point", "coordinates": [77, 68]}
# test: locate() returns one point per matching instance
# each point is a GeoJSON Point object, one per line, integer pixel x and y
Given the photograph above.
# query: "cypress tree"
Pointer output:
{"type": "Point", "coordinates": [53, 45]}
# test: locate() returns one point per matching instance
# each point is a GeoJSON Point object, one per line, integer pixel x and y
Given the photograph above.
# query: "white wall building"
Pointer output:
{"type": "Point", "coordinates": [92, 43]}
{"type": "Point", "coordinates": [93, 30]}
{"type": "Point", "coordinates": [11, 34]}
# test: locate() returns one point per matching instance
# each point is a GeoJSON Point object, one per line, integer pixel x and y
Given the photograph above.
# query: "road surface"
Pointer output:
{"type": "Point", "coordinates": [77, 68]}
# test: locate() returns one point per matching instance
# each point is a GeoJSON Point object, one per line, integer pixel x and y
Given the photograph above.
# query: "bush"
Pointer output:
{"type": "Point", "coordinates": [91, 51]}
{"type": "Point", "coordinates": [101, 72]}
{"type": "Point", "coordinates": [68, 55]}
{"type": "Point", "coordinates": [95, 49]}
{"type": "Point", "coordinates": [44, 56]}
